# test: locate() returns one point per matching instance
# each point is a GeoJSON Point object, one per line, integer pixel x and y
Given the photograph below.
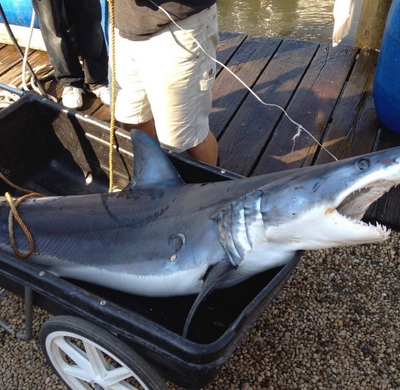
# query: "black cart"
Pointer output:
{"type": "Point", "coordinates": [100, 338]}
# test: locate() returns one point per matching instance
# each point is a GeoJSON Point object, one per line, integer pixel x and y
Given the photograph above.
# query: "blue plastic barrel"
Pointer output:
{"type": "Point", "coordinates": [387, 74]}
{"type": "Point", "coordinates": [19, 12]}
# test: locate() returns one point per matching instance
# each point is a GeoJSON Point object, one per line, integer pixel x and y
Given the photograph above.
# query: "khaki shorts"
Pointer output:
{"type": "Point", "coordinates": [168, 77]}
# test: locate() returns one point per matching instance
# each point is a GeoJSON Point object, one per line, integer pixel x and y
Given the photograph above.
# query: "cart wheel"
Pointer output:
{"type": "Point", "coordinates": [88, 357]}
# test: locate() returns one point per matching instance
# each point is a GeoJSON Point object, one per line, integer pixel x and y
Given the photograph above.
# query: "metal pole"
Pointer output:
{"type": "Point", "coordinates": [28, 316]}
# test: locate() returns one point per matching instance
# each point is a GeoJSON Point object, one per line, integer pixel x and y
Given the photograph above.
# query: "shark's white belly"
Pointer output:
{"type": "Point", "coordinates": [262, 258]}
{"type": "Point", "coordinates": [175, 284]}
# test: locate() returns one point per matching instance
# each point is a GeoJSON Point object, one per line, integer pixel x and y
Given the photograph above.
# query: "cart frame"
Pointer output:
{"type": "Point", "coordinates": [192, 362]}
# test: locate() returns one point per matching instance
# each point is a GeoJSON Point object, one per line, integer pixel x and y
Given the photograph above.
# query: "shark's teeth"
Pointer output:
{"type": "Point", "coordinates": [382, 229]}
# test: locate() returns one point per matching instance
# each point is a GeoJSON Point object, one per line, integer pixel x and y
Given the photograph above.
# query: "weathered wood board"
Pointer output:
{"type": "Point", "coordinates": [253, 124]}
{"type": "Point", "coordinates": [311, 107]}
{"type": "Point", "coordinates": [228, 92]}
{"type": "Point", "coordinates": [9, 58]}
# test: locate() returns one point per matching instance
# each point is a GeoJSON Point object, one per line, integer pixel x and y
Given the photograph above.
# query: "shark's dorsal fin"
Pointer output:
{"type": "Point", "coordinates": [215, 276]}
{"type": "Point", "coordinates": [151, 164]}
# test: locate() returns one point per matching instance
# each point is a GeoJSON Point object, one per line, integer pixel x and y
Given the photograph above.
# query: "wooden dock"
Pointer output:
{"type": "Point", "coordinates": [327, 90]}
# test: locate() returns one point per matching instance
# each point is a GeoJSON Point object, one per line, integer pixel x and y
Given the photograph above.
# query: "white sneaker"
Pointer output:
{"type": "Point", "coordinates": [72, 97]}
{"type": "Point", "coordinates": [103, 93]}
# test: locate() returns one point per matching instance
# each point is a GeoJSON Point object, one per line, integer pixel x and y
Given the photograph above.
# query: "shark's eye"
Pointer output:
{"type": "Point", "coordinates": [364, 164]}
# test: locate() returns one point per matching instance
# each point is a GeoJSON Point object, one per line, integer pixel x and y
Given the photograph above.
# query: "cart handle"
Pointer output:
{"type": "Point", "coordinates": [11, 89]}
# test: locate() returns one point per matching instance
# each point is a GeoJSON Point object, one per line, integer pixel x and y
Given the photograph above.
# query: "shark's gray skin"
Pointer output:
{"type": "Point", "coordinates": [162, 237]}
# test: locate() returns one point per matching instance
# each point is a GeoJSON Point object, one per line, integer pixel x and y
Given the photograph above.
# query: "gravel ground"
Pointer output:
{"type": "Point", "coordinates": [334, 326]}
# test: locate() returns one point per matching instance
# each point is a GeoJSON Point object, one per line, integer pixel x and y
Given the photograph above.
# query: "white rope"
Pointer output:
{"type": "Point", "coordinates": [300, 128]}
{"type": "Point", "coordinates": [26, 79]}
{"type": "Point", "coordinates": [25, 60]}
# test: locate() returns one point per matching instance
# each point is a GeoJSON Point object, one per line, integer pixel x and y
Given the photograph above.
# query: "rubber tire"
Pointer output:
{"type": "Point", "coordinates": [106, 340]}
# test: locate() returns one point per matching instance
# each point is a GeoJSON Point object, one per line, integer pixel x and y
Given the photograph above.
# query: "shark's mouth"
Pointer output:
{"type": "Point", "coordinates": [354, 205]}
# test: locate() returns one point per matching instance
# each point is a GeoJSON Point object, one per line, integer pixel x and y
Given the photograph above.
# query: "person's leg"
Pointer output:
{"type": "Point", "coordinates": [207, 151]}
{"type": "Point", "coordinates": [147, 127]}
{"type": "Point", "coordinates": [132, 107]}
{"type": "Point", "coordinates": [178, 77]}
{"type": "Point", "coordinates": [60, 48]}
{"type": "Point", "coordinates": [92, 46]}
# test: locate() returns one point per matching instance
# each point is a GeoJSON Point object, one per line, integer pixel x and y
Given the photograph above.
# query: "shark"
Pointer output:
{"type": "Point", "coordinates": [163, 237]}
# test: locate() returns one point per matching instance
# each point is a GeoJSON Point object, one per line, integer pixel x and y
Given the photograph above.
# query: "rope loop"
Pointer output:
{"type": "Point", "coordinates": [14, 214]}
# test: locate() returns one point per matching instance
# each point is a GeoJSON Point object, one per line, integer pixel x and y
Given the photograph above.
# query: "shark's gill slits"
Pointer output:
{"type": "Point", "coordinates": [231, 231]}
{"type": "Point", "coordinates": [253, 217]}
{"type": "Point", "coordinates": [239, 231]}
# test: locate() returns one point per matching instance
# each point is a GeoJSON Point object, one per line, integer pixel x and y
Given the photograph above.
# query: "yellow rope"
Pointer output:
{"type": "Point", "coordinates": [13, 185]}
{"type": "Point", "coordinates": [113, 96]}
{"type": "Point", "coordinates": [14, 214]}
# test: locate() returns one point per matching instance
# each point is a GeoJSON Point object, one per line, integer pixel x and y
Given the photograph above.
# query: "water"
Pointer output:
{"type": "Point", "coordinates": [310, 20]}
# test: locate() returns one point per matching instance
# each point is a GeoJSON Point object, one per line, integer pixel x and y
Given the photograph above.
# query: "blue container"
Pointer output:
{"type": "Point", "coordinates": [19, 12]}
{"type": "Point", "coordinates": [387, 74]}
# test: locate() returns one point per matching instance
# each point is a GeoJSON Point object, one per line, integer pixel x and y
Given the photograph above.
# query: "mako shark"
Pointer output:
{"type": "Point", "coordinates": [162, 237]}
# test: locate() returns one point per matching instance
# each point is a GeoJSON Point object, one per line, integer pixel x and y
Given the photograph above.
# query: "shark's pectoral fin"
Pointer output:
{"type": "Point", "coordinates": [151, 163]}
{"type": "Point", "coordinates": [214, 277]}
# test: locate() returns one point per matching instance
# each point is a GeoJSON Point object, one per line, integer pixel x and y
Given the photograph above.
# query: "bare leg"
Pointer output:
{"type": "Point", "coordinates": [207, 151]}
{"type": "Point", "coordinates": [148, 127]}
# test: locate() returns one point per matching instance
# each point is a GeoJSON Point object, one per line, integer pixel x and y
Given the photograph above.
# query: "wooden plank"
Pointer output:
{"type": "Point", "coordinates": [91, 104]}
{"type": "Point", "coordinates": [228, 45]}
{"type": "Point", "coordinates": [228, 93]}
{"type": "Point", "coordinates": [36, 59]}
{"type": "Point", "coordinates": [355, 125]}
{"type": "Point", "coordinates": [246, 135]}
{"type": "Point", "coordinates": [386, 210]}
{"type": "Point", "coordinates": [103, 113]}
{"type": "Point", "coordinates": [53, 88]}
{"type": "Point", "coordinates": [9, 58]}
{"type": "Point", "coordinates": [311, 107]}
